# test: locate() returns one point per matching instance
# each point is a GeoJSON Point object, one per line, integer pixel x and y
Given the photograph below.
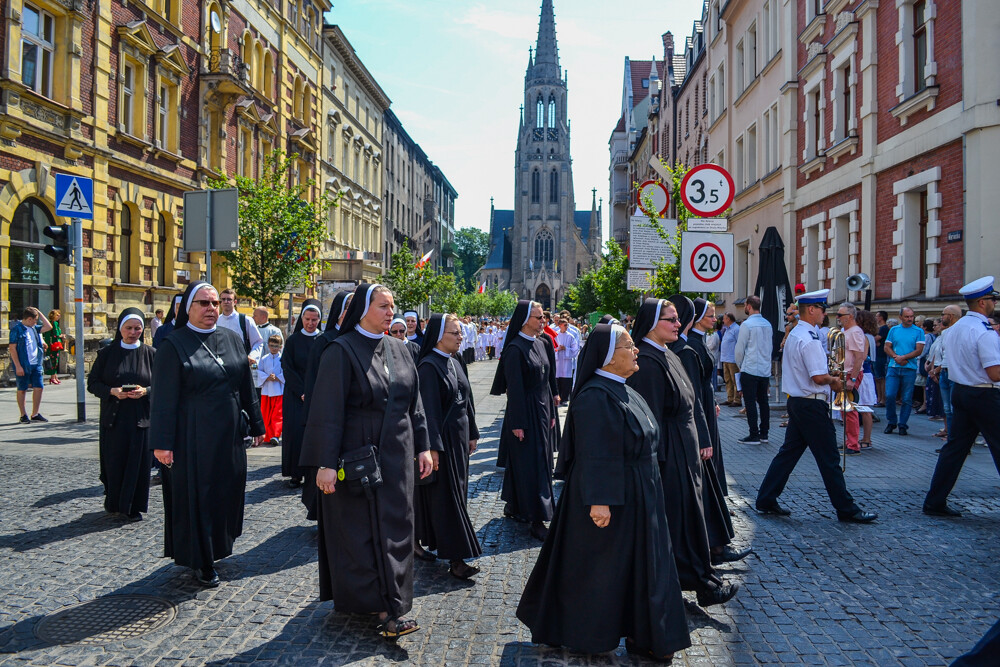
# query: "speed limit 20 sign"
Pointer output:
{"type": "Point", "coordinates": [706, 262]}
{"type": "Point", "coordinates": [707, 190]}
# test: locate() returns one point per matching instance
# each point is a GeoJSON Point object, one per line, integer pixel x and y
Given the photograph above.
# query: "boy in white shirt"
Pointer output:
{"type": "Point", "coordinates": [271, 382]}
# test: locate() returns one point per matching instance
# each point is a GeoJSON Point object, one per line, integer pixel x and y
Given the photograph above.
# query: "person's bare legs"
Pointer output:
{"type": "Point", "coordinates": [866, 423]}
{"type": "Point", "coordinates": [36, 400]}
{"type": "Point", "coordinates": [21, 396]}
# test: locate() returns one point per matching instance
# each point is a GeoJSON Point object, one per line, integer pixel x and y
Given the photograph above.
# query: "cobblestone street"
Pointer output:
{"type": "Point", "coordinates": [908, 590]}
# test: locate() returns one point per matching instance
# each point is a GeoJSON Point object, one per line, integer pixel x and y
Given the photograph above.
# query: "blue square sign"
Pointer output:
{"type": "Point", "coordinates": [75, 196]}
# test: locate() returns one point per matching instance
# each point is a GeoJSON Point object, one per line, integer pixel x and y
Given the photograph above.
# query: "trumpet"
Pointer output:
{"type": "Point", "coordinates": [840, 401]}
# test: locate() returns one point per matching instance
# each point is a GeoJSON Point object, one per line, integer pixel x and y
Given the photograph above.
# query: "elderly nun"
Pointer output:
{"type": "Point", "coordinates": [606, 570]}
{"type": "Point", "coordinates": [294, 365]}
{"type": "Point", "coordinates": [204, 404]}
{"type": "Point", "coordinates": [121, 377]}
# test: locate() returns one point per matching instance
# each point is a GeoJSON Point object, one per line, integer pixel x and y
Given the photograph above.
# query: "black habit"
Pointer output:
{"type": "Point", "coordinates": [366, 546]}
{"type": "Point", "coordinates": [527, 479]}
{"type": "Point", "coordinates": [696, 341]}
{"type": "Point", "coordinates": [201, 383]}
{"type": "Point", "coordinates": [443, 520]}
{"type": "Point", "coordinates": [662, 381]}
{"type": "Point", "coordinates": [717, 519]}
{"type": "Point", "coordinates": [592, 586]}
{"type": "Point", "coordinates": [294, 365]}
{"type": "Point", "coordinates": [124, 432]}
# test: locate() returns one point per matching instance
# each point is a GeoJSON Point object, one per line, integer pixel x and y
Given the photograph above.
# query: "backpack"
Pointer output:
{"type": "Point", "coordinates": [243, 330]}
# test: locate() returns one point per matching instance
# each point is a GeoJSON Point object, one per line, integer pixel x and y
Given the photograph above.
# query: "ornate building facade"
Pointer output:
{"type": "Point", "coordinates": [544, 244]}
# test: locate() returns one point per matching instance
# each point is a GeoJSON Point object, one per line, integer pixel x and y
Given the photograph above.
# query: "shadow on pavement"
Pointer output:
{"type": "Point", "coordinates": [65, 496]}
{"type": "Point", "coordinates": [273, 489]}
{"type": "Point", "coordinates": [93, 522]}
{"type": "Point", "coordinates": [290, 548]}
{"type": "Point", "coordinates": [503, 535]}
{"type": "Point", "coordinates": [257, 474]}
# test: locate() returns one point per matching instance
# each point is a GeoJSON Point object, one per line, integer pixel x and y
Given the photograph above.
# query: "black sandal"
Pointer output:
{"type": "Point", "coordinates": [462, 570]}
{"type": "Point", "coordinates": [391, 628]}
{"type": "Point", "coordinates": [865, 445]}
{"type": "Point", "coordinates": [631, 648]}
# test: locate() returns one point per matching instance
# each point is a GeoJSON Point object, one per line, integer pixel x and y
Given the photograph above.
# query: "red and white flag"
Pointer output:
{"type": "Point", "coordinates": [482, 288]}
{"type": "Point", "coordinates": [423, 260]}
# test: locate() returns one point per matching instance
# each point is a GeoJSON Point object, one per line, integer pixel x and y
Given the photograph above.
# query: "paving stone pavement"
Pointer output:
{"type": "Point", "coordinates": [909, 590]}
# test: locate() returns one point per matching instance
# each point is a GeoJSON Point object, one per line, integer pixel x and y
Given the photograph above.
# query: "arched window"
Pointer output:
{"type": "Point", "coordinates": [306, 112]}
{"type": "Point", "coordinates": [33, 274]}
{"type": "Point", "coordinates": [161, 251]}
{"type": "Point", "coordinates": [554, 186]}
{"type": "Point", "coordinates": [214, 29]}
{"type": "Point", "coordinates": [552, 111]}
{"type": "Point", "coordinates": [247, 54]}
{"type": "Point", "coordinates": [267, 72]}
{"type": "Point", "coordinates": [578, 269]}
{"type": "Point", "coordinates": [257, 68]}
{"type": "Point", "coordinates": [540, 113]}
{"type": "Point", "coordinates": [544, 246]}
{"type": "Point", "coordinates": [536, 186]}
{"type": "Point", "coordinates": [125, 246]}
{"type": "Point", "coordinates": [297, 98]}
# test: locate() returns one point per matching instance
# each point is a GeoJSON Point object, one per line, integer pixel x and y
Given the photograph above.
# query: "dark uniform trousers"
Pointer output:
{"type": "Point", "coordinates": [974, 411]}
{"type": "Point", "coordinates": [809, 425]}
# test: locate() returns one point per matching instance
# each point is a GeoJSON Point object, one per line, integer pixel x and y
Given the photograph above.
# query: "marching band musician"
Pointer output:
{"type": "Point", "coordinates": [805, 377]}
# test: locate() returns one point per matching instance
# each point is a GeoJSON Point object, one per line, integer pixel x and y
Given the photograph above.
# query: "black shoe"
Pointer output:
{"type": "Point", "coordinates": [851, 452]}
{"type": "Point", "coordinates": [510, 515]}
{"type": "Point", "coordinates": [763, 438]}
{"type": "Point", "coordinates": [724, 593]}
{"type": "Point", "coordinates": [539, 531]}
{"type": "Point", "coordinates": [208, 578]}
{"type": "Point", "coordinates": [860, 516]}
{"type": "Point", "coordinates": [294, 483]}
{"type": "Point", "coordinates": [39, 418]}
{"type": "Point", "coordinates": [24, 419]}
{"type": "Point", "coordinates": [749, 440]}
{"type": "Point", "coordinates": [943, 510]}
{"type": "Point", "coordinates": [889, 428]}
{"type": "Point", "coordinates": [730, 555]}
{"type": "Point", "coordinates": [462, 570]}
{"type": "Point", "coordinates": [423, 554]}
{"type": "Point", "coordinates": [903, 430]}
{"type": "Point", "coordinates": [773, 508]}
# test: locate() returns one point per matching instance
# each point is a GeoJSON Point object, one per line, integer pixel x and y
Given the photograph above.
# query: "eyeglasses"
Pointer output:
{"type": "Point", "coordinates": [205, 303]}
{"type": "Point", "coordinates": [456, 332]}
{"type": "Point", "coordinates": [397, 332]}
{"type": "Point", "coordinates": [673, 319]}
{"type": "Point", "coordinates": [842, 314]}
{"type": "Point", "coordinates": [534, 317]}
{"type": "Point", "coordinates": [630, 346]}
{"type": "Point", "coordinates": [227, 299]}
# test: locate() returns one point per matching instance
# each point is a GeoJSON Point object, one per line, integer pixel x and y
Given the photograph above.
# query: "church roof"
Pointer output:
{"type": "Point", "coordinates": [546, 64]}
{"type": "Point", "coordinates": [503, 222]}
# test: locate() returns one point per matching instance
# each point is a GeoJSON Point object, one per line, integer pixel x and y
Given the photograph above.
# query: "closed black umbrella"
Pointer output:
{"type": "Point", "coordinates": [772, 284]}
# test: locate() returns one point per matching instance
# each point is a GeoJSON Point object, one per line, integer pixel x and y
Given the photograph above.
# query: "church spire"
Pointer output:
{"type": "Point", "coordinates": [594, 234]}
{"type": "Point", "coordinates": [546, 52]}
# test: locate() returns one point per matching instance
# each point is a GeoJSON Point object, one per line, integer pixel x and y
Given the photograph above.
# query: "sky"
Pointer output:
{"type": "Point", "coordinates": [454, 70]}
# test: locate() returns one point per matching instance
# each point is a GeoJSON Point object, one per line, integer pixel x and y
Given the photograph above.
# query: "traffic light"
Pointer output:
{"type": "Point", "coordinates": [61, 247]}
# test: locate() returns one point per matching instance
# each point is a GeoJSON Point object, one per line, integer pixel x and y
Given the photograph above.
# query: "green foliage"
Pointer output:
{"type": "Point", "coordinates": [603, 287]}
{"type": "Point", "coordinates": [446, 297]}
{"type": "Point", "coordinates": [411, 285]}
{"type": "Point", "coordinates": [468, 253]}
{"type": "Point", "coordinates": [476, 304]}
{"type": "Point", "coordinates": [502, 303]}
{"type": "Point", "coordinates": [280, 231]}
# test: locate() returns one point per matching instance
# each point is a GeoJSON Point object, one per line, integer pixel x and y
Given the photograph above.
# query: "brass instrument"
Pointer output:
{"type": "Point", "coordinates": [840, 401]}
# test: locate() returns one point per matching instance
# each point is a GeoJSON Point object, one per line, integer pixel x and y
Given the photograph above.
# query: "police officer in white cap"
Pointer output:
{"type": "Point", "coordinates": [805, 378]}
{"type": "Point", "coordinates": [974, 369]}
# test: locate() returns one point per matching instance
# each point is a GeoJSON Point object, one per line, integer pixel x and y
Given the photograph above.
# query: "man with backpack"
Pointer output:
{"type": "Point", "coordinates": [230, 319]}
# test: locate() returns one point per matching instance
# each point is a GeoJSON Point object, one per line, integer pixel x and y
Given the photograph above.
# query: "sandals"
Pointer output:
{"type": "Point", "coordinates": [462, 570]}
{"type": "Point", "coordinates": [783, 424]}
{"type": "Point", "coordinates": [865, 445]}
{"type": "Point", "coordinates": [391, 628]}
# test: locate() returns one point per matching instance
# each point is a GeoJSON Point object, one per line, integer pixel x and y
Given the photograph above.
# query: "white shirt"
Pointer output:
{"type": "Point", "coordinates": [972, 347]}
{"type": "Point", "coordinates": [232, 322]}
{"type": "Point", "coordinates": [30, 347]}
{"type": "Point", "coordinates": [753, 346]}
{"type": "Point", "coordinates": [802, 359]}
{"type": "Point", "coordinates": [270, 363]}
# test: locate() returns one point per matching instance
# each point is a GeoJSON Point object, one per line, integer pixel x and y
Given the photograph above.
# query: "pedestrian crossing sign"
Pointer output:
{"type": "Point", "coordinates": [74, 196]}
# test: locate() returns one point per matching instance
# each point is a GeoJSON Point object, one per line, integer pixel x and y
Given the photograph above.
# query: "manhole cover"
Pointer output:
{"type": "Point", "coordinates": [110, 619]}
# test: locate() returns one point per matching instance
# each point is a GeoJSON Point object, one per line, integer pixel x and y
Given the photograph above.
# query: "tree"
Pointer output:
{"type": "Point", "coordinates": [502, 303]}
{"type": "Point", "coordinates": [446, 297]}
{"type": "Point", "coordinates": [411, 285]}
{"type": "Point", "coordinates": [469, 251]}
{"type": "Point", "coordinates": [476, 303]}
{"type": "Point", "coordinates": [279, 232]}
{"type": "Point", "coordinates": [604, 288]}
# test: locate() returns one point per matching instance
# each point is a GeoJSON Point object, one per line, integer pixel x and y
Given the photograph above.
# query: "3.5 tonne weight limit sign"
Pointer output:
{"type": "Point", "coordinates": [707, 190]}
{"type": "Point", "coordinates": [706, 262]}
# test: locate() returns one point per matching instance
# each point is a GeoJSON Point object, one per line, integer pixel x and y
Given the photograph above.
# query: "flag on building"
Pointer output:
{"type": "Point", "coordinates": [423, 260]}
{"type": "Point", "coordinates": [482, 288]}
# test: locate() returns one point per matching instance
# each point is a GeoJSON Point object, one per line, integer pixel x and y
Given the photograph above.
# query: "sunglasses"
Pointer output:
{"type": "Point", "coordinates": [205, 303]}
{"type": "Point", "coordinates": [397, 332]}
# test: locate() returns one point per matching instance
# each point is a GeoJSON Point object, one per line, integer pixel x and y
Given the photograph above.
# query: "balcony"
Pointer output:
{"type": "Point", "coordinates": [620, 197]}
{"type": "Point", "coordinates": [620, 160]}
{"type": "Point", "coordinates": [226, 73]}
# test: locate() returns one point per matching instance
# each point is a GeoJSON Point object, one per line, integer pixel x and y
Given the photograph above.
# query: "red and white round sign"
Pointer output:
{"type": "Point", "coordinates": [657, 192]}
{"type": "Point", "coordinates": [708, 262]}
{"type": "Point", "coordinates": [707, 190]}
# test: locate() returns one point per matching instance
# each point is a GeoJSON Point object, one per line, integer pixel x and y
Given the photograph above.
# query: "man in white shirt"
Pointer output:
{"type": "Point", "coordinates": [155, 323]}
{"type": "Point", "coordinates": [230, 319]}
{"type": "Point", "coordinates": [753, 356]}
{"type": "Point", "coordinates": [264, 327]}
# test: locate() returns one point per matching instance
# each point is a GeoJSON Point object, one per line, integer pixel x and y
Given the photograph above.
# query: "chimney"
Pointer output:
{"type": "Point", "coordinates": [668, 46]}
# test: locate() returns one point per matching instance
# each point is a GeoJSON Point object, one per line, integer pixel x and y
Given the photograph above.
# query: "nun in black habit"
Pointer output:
{"type": "Point", "coordinates": [443, 520]}
{"type": "Point", "coordinates": [397, 329]}
{"type": "Point", "coordinates": [717, 518]}
{"type": "Point", "coordinates": [366, 399]}
{"type": "Point", "coordinates": [414, 333]}
{"type": "Point", "coordinates": [696, 341]}
{"type": "Point", "coordinates": [663, 382]}
{"type": "Point", "coordinates": [606, 570]}
{"type": "Point", "coordinates": [338, 309]}
{"type": "Point", "coordinates": [527, 435]}
{"type": "Point", "coordinates": [294, 366]}
{"type": "Point", "coordinates": [204, 403]}
{"type": "Point", "coordinates": [169, 321]}
{"type": "Point", "coordinates": [121, 377]}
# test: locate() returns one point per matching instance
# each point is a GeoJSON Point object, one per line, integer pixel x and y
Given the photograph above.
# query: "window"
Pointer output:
{"type": "Point", "coordinates": [552, 112]}
{"type": "Point", "coordinates": [215, 138]}
{"type": "Point", "coordinates": [751, 155]}
{"type": "Point", "coordinates": [246, 153]}
{"type": "Point", "coordinates": [712, 100]}
{"type": "Point", "coordinates": [740, 70]}
{"type": "Point", "coordinates": [344, 160]}
{"type": "Point", "coordinates": [739, 164]}
{"type": "Point", "coordinates": [919, 45]}
{"type": "Point", "coordinates": [357, 164]}
{"type": "Point", "coordinates": [125, 245]}
{"type": "Point", "coordinates": [704, 94]}
{"type": "Point", "coordinates": [540, 113]}
{"type": "Point", "coordinates": [770, 127]}
{"type": "Point", "coordinates": [817, 117]}
{"type": "Point", "coordinates": [293, 13]}
{"type": "Point", "coordinates": [843, 114]}
{"type": "Point", "coordinates": [37, 49]}
{"type": "Point", "coordinates": [751, 54]}
{"type": "Point", "coordinates": [161, 250]}
{"type": "Point", "coordinates": [775, 42]}
{"type": "Point", "coordinates": [267, 73]}
{"type": "Point", "coordinates": [297, 98]}
{"type": "Point", "coordinates": [544, 246]}
{"type": "Point", "coordinates": [34, 275]}
{"type": "Point", "coordinates": [167, 116]}
{"type": "Point", "coordinates": [645, 83]}
{"type": "Point", "coordinates": [554, 186]}
{"type": "Point", "coordinates": [536, 186]}
{"type": "Point", "coordinates": [161, 116]}
{"type": "Point", "coordinates": [922, 236]}
{"type": "Point", "coordinates": [722, 89]}
{"type": "Point", "coordinates": [128, 98]}
{"type": "Point", "coordinates": [765, 31]}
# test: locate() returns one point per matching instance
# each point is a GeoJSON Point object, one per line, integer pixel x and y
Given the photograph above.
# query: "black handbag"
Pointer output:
{"type": "Point", "coordinates": [360, 470]}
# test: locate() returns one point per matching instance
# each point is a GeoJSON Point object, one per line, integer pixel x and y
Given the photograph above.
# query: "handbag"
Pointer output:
{"type": "Point", "coordinates": [359, 468]}
{"type": "Point", "coordinates": [56, 346]}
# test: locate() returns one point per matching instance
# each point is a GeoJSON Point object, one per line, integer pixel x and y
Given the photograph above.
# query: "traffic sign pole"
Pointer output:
{"type": "Point", "coordinates": [208, 238]}
{"type": "Point", "coordinates": [81, 390]}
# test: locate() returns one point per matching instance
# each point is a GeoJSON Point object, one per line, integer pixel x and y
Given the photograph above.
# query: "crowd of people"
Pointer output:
{"type": "Point", "coordinates": [376, 419]}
